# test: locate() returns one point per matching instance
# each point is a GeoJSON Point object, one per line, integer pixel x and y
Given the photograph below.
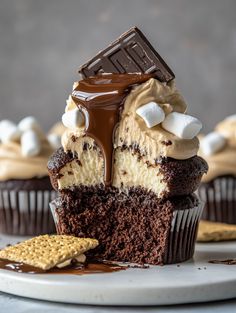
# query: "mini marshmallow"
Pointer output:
{"type": "Point", "coordinates": [212, 143]}
{"type": "Point", "coordinates": [54, 140]}
{"type": "Point", "coordinates": [30, 143]}
{"type": "Point", "coordinates": [64, 264]}
{"type": "Point", "coordinates": [182, 125]}
{"type": "Point", "coordinates": [9, 131]}
{"type": "Point", "coordinates": [29, 122]}
{"type": "Point", "coordinates": [151, 113]}
{"type": "Point", "coordinates": [73, 118]}
{"type": "Point", "coordinates": [81, 258]}
{"type": "Point", "coordinates": [231, 117]}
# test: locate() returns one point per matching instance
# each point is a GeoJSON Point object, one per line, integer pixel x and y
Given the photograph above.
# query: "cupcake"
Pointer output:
{"type": "Point", "coordinates": [218, 186]}
{"type": "Point", "coordinates": [25, 188]}
{"type": "Point", "coordinates": [128, 166]}
{"type": "Point", "coordinates": [57, 131]}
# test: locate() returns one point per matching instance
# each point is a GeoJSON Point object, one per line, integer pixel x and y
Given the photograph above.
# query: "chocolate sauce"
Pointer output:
{"type": "Point", "coordinates": [94, 267]}
{"type": "Point", "coordinates": [101, 99]}
{"type": "Point", "coordinates": [225, 262]}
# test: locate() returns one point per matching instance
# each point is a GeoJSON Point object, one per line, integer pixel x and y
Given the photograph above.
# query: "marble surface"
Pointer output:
{"type": "Point", "coordinates": [13, 304]}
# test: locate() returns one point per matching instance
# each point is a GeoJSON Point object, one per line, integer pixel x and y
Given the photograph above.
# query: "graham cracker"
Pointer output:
{"type": "Point", "coordinates": [211, 231]}
{"type": "Point", "coordinates": [46, 251]}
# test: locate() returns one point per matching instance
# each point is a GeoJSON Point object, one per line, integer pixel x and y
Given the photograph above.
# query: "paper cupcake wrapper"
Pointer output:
{"type": "Point", "coordinates": [183, 233]}
{"type": "Point", "coordinates": [182, 236]}
{"type": "Point", "coordinates": [26, 212]}
{"type": "Point", "coordinates": [53, 206]}
{"type": "Point", "coordinates": [220, 198]}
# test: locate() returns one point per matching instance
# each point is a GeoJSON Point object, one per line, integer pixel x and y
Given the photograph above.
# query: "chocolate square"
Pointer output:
{"type": "Point", "coordinates": [130, 53]}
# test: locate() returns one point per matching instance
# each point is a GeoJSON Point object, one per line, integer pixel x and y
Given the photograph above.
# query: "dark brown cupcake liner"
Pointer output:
{"type": "Point", "coordinates": [26, 212]}
{"type": "Point", "coordinates": [182, 235]}
{"type": "Point", "coordinates": [220, 198]}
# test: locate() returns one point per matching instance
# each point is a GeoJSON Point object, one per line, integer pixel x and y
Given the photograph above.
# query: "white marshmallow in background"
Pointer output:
{"type": "Point", "coordinates": [30, 143]}
{"type": "Point", "coordinates": [151, 113]}
{"type": "Point", "coordinates": [212, 143]}
{"type": "Point", "coordinates": [9, 131]}
{"type": "Point", "coordinates": [29, 122]}
{"type": "Point", "coordinates": [231, 117]}
{"type": "Point", "coordinates": [54, 140]}
{"type": "Point", "coordinates": [73, 118]}
{"type": "Point", "coordinates": [182, 125]}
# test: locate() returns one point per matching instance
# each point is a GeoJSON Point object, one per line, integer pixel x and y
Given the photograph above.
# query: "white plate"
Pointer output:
{"type": "Point", "coordinates": [192, 281]}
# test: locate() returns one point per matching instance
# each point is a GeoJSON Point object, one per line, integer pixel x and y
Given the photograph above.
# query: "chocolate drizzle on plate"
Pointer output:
{"type": "Point", "coordinates": [93, 267]}
{"type": "Point", "coordinates": [101, 99]}
{"type": "Point", "coordinates": [225, 262]}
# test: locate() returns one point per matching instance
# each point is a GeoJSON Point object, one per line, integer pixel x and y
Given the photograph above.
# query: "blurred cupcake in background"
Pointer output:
{"type": "Point", "coordinates": [25, 188]}
{"type": "Point", "coordinates": [218, 186]}
{"type": "Point", "coordinates": [56, 131]}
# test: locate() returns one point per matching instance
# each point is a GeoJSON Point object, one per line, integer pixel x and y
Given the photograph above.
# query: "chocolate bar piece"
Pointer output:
{"type": "Point", "coordinates": [130, 53]}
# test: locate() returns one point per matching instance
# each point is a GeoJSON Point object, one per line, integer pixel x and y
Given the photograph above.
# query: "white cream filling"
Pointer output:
{"type": "Point", "coordinates": [128, 172]}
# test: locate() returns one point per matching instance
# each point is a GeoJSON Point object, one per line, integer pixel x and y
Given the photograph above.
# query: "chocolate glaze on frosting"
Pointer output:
{"type": "Point", "coordinates": [101, 99]}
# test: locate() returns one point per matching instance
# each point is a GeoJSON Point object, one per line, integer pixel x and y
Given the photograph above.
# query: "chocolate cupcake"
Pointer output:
{"type": "Point", "coordinates": [128, 166]}
{"type": "Point", "coordinates": [25, 189]}
{"type": "Point", "coordinates": [218, 187]}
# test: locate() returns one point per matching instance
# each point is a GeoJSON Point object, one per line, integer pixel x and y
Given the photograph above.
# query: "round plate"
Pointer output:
{"type": "Point", "coordinates": [192, 281]}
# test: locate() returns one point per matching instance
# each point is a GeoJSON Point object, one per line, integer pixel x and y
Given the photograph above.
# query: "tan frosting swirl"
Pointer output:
{"type": "Point", "coordinates": [14, 166]}
{"type": "Point", "coordinates": [224, 161]}
{"type": "Point", "coordinates": [227, 128]}
{"type": "Point", "coordinates": [153, 142]}
{"type": "Point", "coordinates": [57, 129]}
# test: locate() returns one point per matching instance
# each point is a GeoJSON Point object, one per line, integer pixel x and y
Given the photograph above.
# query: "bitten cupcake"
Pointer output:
{"type": "Point", "coordinates": [218, 186]}
{"type": "Point", "coordinates": [25, 188]}
{"type": "Point", "coordinates": [127, 169]}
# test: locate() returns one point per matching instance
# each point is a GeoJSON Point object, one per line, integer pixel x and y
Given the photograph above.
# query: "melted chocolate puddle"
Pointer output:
{"type": "Point", "coordinates": [225, 262]}
{"type": "Point", "coordinates": [94, 267]}
{"type": "Point", "coordinates": [101, 99]}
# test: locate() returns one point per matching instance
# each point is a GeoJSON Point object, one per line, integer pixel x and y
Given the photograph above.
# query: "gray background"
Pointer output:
{"type": "Point", "coordinates": [42, 44]}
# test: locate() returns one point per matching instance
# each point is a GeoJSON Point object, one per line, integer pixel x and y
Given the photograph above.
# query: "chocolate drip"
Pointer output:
{"type": "Point", "coordinates": [101, 99]}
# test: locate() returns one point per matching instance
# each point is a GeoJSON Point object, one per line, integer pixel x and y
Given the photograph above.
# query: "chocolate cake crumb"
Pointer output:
{"type": "Point", "coordinates": [85, 146]}
{"type": "Point", "coordinates": [166, 142]}
{"type": "Point", "coordinates": [73, 138]}
{"type": "Point", "coordinates": [79, 162]}
{"type": "Point", "coordinates": [123, 172]}
{"type": "Point", "coordinates": [131, 225]}
{"type": "Point", "coordinates": [70, 173]}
